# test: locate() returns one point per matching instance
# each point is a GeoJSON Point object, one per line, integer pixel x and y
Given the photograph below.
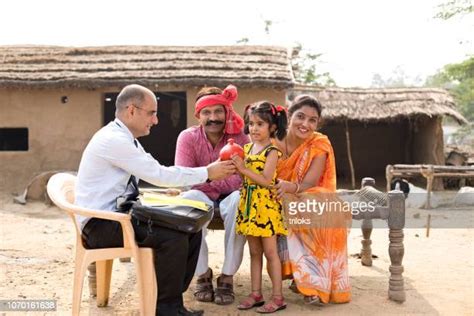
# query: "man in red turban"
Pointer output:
{"type": "Point", "coordinates": [197, 146]}
{"type": "Point", "coordinates": [233, 122]}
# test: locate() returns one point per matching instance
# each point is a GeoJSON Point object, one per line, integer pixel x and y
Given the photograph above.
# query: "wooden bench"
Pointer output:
{"type": "Point", "coordinates": [393, 211]}
{"type": "Point", "coordinates": [394, 214]}
{"type": "Point", "coordinates": [429, 172]}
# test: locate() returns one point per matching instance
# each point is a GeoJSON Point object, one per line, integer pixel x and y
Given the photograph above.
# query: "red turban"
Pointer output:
{"type": "Point", "coordinates": [233, 122]}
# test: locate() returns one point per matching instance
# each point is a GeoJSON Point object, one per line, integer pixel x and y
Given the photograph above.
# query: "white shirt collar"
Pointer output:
{"type": "Point", "coordinates": [125, 128]}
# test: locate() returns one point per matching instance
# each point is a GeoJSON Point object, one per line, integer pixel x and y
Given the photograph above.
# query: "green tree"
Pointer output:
{"type": "Point", "coordinates": [305, 67]}
{"type": "Point", "coordinates": [459, 79]}
{"type": "Point", "coordinates": [454, 8]}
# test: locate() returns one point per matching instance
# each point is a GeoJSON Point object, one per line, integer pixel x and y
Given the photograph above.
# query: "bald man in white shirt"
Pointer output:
{"type": "Point", "coordinates": [110, 161]}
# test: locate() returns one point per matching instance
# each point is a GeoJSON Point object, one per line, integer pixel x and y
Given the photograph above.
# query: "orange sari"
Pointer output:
{"type": "Point", "coordinates": [317, 255]}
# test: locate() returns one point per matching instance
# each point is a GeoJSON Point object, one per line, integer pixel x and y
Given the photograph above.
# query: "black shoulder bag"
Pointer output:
{"type": "Point", "coordinates": [125, 202]}
{"type": "Point", "coordinates": [182, 218]}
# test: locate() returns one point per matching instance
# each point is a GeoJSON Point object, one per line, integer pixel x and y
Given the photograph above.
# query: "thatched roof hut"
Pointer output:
{"type": "Point", "coordinates": [371, 128]}
{"type": "Point", "coordinates": [93, 67]}
{"type": "Point", "coordinates": [371, 105]}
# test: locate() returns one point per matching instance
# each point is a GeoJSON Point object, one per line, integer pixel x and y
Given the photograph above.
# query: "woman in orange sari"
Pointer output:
{"type": "Point", "coordinates": [316, 256]}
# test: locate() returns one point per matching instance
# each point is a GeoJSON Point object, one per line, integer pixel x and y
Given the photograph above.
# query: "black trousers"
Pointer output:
{"type": "Point", "coordinates": [175, 256]}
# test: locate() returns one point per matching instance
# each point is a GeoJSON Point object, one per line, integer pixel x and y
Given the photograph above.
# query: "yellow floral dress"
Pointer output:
{"type": "Point", "coordinates": [259, 215]}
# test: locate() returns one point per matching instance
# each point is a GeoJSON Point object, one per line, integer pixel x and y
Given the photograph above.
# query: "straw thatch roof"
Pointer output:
{"type": "Point", "coordinates": [381, 104]}
{"type": "Point", "coordinates": [91, 67]}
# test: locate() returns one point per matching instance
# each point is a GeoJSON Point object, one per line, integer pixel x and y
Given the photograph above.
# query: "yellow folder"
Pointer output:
{"type": "Point", "coordinates": [154, 199]}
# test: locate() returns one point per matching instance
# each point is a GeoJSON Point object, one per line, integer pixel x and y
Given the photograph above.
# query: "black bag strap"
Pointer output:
{"type": "Point", "coordinates": [133, 181]}
{"type": "Point", "coordinates": [131, 198]}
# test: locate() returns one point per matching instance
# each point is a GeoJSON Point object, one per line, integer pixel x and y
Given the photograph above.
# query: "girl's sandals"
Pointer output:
{"type": "Point", "coordinates": [204, 290]}
{"type": "Point", "coordinates": [313, 300]}
{"type": "Point", "coordinates": [224, 294]}
{"type": "Point", "coordinates": [251, 301]}
{"type": "Point", "coordinates": [276, 304]}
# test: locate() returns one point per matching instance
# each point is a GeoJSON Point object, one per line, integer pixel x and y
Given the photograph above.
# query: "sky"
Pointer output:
{"type": "Point", "coordinates": [357, 38]}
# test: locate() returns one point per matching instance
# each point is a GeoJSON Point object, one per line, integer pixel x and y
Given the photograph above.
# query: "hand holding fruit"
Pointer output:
{"type": "Point", "coordinates": [238, 162]}
{"type": "Point", "coordinates": [230, 149]}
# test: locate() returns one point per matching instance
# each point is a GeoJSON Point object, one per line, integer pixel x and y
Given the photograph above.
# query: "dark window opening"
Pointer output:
{"type": "Point", "coordinates": [13, 139]}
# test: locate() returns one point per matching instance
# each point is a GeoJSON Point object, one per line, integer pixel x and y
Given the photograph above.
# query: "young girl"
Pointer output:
{"type": "Point", "coordinates": [260, 215]}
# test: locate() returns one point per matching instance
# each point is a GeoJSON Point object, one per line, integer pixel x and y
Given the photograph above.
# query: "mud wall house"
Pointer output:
{"type": "Point", "coordinates": [53, 99]}
{"type": "Point", "coordinates": [383, 126]}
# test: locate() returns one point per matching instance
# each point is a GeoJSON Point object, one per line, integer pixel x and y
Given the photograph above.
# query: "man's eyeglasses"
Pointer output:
{"type": "Point", "coordinates": [149, 113]}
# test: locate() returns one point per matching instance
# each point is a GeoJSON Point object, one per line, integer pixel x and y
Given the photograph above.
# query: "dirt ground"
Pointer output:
{"type": "Point", "coordinates": [37, 256]}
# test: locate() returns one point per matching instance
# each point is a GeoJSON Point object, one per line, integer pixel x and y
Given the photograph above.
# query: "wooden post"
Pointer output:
{"type": "Point", "coordinates": [396, 249]}
{"type": "Point", "coordinates": [388, 176]}
{"type": "Point", "coordinates": [349, 155]}
{"type": "Point", "coordinates": [409, 142]}
{"type": "Point", "coordinates": [429, 186]}
{"type": "Point", "coordinates": [366, 251]}
{"type": "Point", "coordinates": [428, 225]}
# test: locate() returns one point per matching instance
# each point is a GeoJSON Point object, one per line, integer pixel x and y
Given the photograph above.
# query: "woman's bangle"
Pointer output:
{"type": "Point", "coordinates": [297, 187]}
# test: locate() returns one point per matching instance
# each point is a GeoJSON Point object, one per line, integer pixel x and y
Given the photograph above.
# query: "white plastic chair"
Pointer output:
{"type": "Point", "coordinates": [61, 191]}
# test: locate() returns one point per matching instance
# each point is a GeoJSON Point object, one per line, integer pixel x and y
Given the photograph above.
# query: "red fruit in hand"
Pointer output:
{"type": "Point", "coordinates": [230, 149]}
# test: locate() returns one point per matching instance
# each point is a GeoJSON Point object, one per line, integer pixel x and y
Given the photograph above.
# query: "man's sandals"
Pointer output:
{"type": "Point", "coordinates": [204, 290]}
{"type": "Point", "coordinates": [224, 294]}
